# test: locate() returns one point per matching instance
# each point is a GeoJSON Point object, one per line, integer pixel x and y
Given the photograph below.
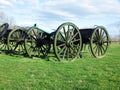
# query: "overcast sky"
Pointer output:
{"type": "Point", "coordinates": [52, 13]}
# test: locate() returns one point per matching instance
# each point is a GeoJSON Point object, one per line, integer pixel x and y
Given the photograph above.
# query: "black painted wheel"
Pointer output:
{"type": "Point", "coordinates": [36, 43]}
{"type": "Point", "coordinates": [99, 42]}
{"type": "Point", "coordinates": [67, 42]}
{"type": "Point", "coordinates": [16, 41]}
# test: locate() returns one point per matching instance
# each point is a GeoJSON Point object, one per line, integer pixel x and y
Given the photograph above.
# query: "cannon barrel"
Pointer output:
{"type": "Point", "coordinates": [44, 29]}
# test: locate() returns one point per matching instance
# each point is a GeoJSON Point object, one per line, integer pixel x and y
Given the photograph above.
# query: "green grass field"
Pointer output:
{"type": "Point", "coordinates": [87, 73]}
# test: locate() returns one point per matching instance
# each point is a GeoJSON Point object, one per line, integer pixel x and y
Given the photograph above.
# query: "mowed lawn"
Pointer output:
{"type": "Point", "coordinates": [87, 73]}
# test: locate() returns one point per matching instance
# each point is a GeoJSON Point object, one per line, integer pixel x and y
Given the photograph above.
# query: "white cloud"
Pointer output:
{"type": "Point", "coordinates": [5, 2]}
{"type": "Point", "coordinates": [106, 7]}
{"type": "Point", "coordinates": [54, 12]}
{"type": "Point", "coordinates": [60, 10]}
{"type": "Point", "coordinates": [66, 9]}
{"type": "Point", "coordinates": [83, 8]}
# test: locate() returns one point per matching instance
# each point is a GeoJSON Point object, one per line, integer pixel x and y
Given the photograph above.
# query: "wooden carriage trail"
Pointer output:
{"type": "Point", "coordinates": [67, 41]}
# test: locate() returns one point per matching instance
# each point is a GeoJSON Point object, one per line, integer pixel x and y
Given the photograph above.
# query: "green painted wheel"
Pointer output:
{"type": "Point", "coordinates": [16, 41]}
{"type": "Point", "coordinates": [36, 44]}
{"type": "Point", "coordinates": [67, 42]}
{"type": "Point", "coordinates": [99, 42]}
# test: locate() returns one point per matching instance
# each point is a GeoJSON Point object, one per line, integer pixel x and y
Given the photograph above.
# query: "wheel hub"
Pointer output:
{"type": "Point", "coordinates": [68, 43]}
{"type": "Point", "coordinates": [100, 43]}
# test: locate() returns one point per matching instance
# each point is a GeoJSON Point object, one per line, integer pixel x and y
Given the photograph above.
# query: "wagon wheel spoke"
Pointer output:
{"type": "Point", "coordinates": [94, 47]}
{"type": "Point", "coordinates": [32, 37]}
{"type": "Point", "coordinates": [104, 42]}
{"type": "Point", "coordinates": [32, 34]}
{"type": "Point", "coordinates": [44, 50]}
{"type": "Point", "coordinates": [3, 47]}
{"type": "Point", "coordinates": [16, 46]}
{"type": "Point", "coordinates": [64, 32]}
{"type": "Point", "coordinates": [68, 33]}
{"type": "Point", "coordinates": [3, 44]}
{"type": "Point", "coordinates": [99, 42]}
{"type": "Point", "coordinates": [68, 53]}
{"type": "Point", "coordinates": [35, 33]}
{"type": "Point", "coordinates": [61, 50]}
{"type": "Point", "coordinates": [61, 45]}
{"type": "Point", "coordinates": [61, 37]}
{"type": "Point", "coordinates": [103, 49]}
{"type": "Point", "coordinates": [22, 48]}
{"type": "Point", "coordinates": [76, 40]}
{"type": "Point", "coordinates": [102, 33]}
{"type": "Point", "coordinates": [67, 49]}
{"type": "Point", "coordinates": [64, 54]}
{"type": "Point", "coordinates": [73, 50]}
{"type": "Point", "coordinates": [96, 35]}
{"type": "Point", "coordinates": [77, 33]}
{"type": "Point", "coordinates": [98, 51]}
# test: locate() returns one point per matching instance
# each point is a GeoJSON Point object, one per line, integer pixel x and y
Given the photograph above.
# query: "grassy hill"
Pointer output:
{"type": "Point", "coordinates": [87, 73]}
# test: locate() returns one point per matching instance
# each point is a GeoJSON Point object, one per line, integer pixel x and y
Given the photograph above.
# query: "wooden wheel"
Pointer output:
{"type": "Point", "coordinates": [15, 41]}
{"type": "Point", "coordinates": [36, 43]}
{"type": "Point", "coordinates": [3, 37]}
{"type": "Point", "coordinates": [99, 42]}
{"type": "Point", "coordinates": [3, 44]}
{"type": "Point", "coordinates": [67, 42]}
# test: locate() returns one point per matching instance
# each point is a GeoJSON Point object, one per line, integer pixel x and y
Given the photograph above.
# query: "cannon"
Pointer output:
{"type": "Point", "coordinates": [67, 41]}
{"type": "Point", "coordinates": [11, 40]}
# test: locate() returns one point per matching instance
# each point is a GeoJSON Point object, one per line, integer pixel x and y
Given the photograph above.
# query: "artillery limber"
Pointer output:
{"type": "Point", "coordinates": [97, 38]}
